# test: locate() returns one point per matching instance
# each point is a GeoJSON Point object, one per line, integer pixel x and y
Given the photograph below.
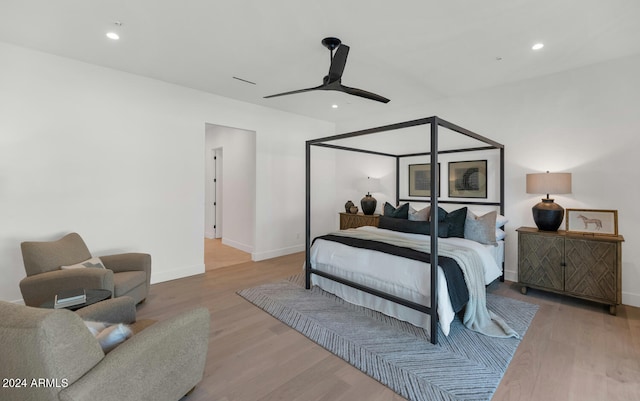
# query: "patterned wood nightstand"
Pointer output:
{"type": "Point", "coordinates": [582, 266]}
{"type": "Point", "coordinates": [348, 220]}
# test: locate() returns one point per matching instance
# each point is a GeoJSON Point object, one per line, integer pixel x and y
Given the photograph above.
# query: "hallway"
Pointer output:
{"type": "Point", "coordinates": [217, 255]}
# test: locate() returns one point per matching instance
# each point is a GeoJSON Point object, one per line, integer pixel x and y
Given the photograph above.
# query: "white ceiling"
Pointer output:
{"type": "Point", "coordinates": [411, 51]}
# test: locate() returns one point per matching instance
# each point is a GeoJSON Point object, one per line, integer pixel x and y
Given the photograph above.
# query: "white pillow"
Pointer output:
{"type": "Point", "coordinates": [500, 234]}
{"type": "Point", "coordinates": [501, 221]}
{"type": "Point", "coordinates": [419, 215]}
{"type": "Point", "coordinates": [95, 327]}
{"type": "Point", "coordinates": [92, 263]}
{"type": "Point", "coordinates": [108, 335]}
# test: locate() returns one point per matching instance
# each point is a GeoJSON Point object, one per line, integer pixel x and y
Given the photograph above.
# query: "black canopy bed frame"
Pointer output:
{"type": "Point", "coordinates": [434, 123]}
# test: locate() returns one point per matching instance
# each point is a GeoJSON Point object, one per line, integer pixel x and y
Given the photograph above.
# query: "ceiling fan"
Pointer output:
{"type": "Point", "coordinates": [333, 81]}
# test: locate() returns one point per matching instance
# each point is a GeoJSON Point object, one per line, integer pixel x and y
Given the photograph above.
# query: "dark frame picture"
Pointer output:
{"type": "Point", "coordinates": [420, 179]}
{"type": "Point", "coordinates": [468, 179]}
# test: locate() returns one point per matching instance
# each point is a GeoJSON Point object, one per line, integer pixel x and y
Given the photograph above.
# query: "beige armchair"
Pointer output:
{"type": "Point", "coordinates": [51, 355]}
{"type": "Point", "coordinates": [125, 274]}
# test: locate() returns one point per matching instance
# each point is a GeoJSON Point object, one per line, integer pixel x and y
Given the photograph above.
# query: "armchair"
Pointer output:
{"type": "Point", "coordinates": [126, 274]}
{"type": "Point", "coordinates": [55, 357]}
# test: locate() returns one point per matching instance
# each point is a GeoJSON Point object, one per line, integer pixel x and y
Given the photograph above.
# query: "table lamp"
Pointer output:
{"type": "Point", "coordinates": [547, 214]}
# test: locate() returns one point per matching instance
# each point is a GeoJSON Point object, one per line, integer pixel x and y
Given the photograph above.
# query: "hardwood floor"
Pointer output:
{"type": "Point", "coordinates": [217, 255]}
{"type": "Point", "coordinates": [574, 350]}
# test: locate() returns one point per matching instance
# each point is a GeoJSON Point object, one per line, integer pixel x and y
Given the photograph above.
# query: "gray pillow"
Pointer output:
{"type": "Point", "coordinates": [419, 215]}
{"type": "Point", "coordinates": [481, 229]}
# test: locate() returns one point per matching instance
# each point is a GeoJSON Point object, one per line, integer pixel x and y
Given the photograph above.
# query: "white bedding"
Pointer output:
{"type": "Point", "coordinates": [406, 278]}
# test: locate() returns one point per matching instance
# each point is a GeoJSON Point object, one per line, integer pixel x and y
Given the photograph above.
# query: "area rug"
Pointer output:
{"type": "Point", "coordinates": [463, 366]}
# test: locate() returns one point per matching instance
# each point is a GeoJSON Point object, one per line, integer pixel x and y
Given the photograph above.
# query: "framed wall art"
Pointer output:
{"type": "Point", "coordinates": [468, 179]}
{"type": "Point", "coordinates": [420, 179]}
{"type": "Point", "coordinates": [592, 221]}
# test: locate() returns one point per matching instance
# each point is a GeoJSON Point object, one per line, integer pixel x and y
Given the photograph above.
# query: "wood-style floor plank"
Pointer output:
{"type": "Point", "coordinates": [573, 350]}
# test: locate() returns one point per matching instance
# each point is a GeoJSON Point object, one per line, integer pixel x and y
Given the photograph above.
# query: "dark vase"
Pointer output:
{"type": "Point", "coordinates": [368, 204]}
{"type": "Point", "coordinates": [548, 215]}
{"type": "Point", "coordinates": [347, 206]}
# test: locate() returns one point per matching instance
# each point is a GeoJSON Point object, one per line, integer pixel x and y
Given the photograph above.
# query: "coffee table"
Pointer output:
{"type": "Point", "coordinates": [93, 296]}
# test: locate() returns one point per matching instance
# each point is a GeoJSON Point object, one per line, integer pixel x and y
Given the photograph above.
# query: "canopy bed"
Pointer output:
{"type": "Point", "coordinates": [388, 268]}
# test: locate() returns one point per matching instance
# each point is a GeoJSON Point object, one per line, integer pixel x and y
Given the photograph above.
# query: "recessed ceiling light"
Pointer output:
{"type": "Point", "coordinates": [114, 33]}
{"type": "Point", "coordinates": [335, 106]}
{"type": "Point", "coordinates": [537, 46]}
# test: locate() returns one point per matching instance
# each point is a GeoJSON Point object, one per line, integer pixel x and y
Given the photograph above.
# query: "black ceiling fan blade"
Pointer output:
{"type": "Point", "coordinates": [338, 63]}
{"type": "Point", "coordinates": [294, 92]}
{"type": "Point", "coordinates": [333, 80]}
{"type": "Point", "coordinates": [362, 93]}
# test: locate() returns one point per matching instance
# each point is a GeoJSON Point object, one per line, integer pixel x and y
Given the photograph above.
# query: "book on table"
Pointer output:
{"type": "Point", "coordinates": [66, 298]}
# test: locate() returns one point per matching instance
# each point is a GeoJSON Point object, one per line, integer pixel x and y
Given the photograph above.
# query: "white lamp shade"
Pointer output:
{"type": "Point", "coordinates": [370, 185]}
{"type": "Point", "coordinates": [549, 183]}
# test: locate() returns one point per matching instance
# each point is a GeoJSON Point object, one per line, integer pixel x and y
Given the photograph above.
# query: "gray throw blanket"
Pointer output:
{"type": "Point", "coordinates": [476, 317]}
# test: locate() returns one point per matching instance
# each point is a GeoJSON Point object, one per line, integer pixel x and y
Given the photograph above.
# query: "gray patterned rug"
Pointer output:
{"type": "Point", "coordinates": [463, 366]}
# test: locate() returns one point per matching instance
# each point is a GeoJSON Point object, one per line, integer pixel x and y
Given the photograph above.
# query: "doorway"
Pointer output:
{"type": "Point", "coordinates": [230, 187]}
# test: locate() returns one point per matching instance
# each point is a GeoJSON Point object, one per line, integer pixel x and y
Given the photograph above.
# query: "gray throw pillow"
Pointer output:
{"type": "Point", "coordinates": [419, 215]}
{"type": "Point", "coordinates": [481, 229]}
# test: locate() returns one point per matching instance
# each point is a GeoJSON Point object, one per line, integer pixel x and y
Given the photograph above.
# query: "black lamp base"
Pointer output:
{"type": "Point", "coordinates": [368, 204]}
{"type": "Point", "coordinates": [548, 215]}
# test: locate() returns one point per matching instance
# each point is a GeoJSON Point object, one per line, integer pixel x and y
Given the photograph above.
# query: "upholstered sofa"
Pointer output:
{"type": "Point", "coordinates": [126, 274]}
{"type": "Point", "coordinates": [51, 355]}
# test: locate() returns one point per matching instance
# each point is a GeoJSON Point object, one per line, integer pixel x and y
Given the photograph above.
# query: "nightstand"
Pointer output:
{"type": "Point", "coordinates": [348, 220]}
{"type": "Point", "coordinates": [581, 266]}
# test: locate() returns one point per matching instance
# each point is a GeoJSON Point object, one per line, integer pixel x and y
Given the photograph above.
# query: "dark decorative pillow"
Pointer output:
{"type": "Point", "coordinates": [456, 220]}
{"type": "Point", "coordinates": [441, 214]}
{"type": "Point", "coordinates": [401, 212]}
{"type": "Point", "coordinates": [413, 227]}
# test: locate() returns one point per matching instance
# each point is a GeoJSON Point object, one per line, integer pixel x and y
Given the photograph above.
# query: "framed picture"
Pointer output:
{"type": "Point", "coordinates": [468, 179]}
{"type": "Point", "coordinates": [420, 179]}
{"type": "Point", "coordinates": [592, 221]}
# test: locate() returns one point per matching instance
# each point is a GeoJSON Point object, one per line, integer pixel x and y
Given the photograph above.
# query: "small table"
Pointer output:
{"type": "Point", "coordinates": [349, 220]}
{"type": "Point", "coordinates": [93, 296]}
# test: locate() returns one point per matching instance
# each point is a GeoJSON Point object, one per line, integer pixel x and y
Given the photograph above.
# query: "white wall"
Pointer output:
{"type": "Point", "coordinates": [119, 159]}
{"type": "Point", "coordinates": [582, 121]}
{"type": "Point", "coordinates": [237, 199]}
{"type": "Point", "coordinates": [353, 168]}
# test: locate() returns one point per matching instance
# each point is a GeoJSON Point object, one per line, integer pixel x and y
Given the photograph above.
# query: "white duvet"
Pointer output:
{"type": "Point", "coordinates": [406, 278]}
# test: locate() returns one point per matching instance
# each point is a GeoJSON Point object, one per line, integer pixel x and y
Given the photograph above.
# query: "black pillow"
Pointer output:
{"type": "Point", "coordinates": [456, 220]}
{"type": "Point", "coordinates": [413, 227]}
{"type": "Point", "coordinates": [402, 212]}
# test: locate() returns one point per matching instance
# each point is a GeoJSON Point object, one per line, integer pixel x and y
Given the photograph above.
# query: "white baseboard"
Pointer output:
{"type": "Point", "coordinates": [210, 234]}
{"type": "Point", "coordinates": [167, 275]}
{"type": "Point", "coordinates": [258, 256]}
{"type": "Point", "coordinates": [631, 299]}
{"type": "Point", "coordinates": [238, 245]}
{"type": "Point", "coordinates": [511, 275]}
